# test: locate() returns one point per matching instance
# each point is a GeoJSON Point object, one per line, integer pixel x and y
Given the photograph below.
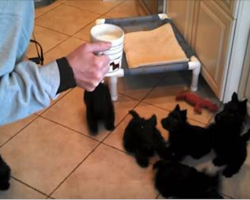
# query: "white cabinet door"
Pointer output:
{"type": "Point", "coordinates": [182, 14]}
{"type": "Point", "coordinates": [212, 30]}
{"type": "Point", "coordinates": [207, 26]}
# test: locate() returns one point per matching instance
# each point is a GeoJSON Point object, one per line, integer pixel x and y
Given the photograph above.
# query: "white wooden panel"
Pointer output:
{"type": "Point", "coordinates": [213, 28]}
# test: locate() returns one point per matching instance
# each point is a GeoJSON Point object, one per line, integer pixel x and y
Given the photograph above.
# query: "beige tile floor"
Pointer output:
{"type": "Point", "coordinates": [51, 153]}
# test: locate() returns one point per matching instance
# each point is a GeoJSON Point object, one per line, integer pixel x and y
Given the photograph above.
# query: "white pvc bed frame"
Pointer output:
{"type": "Point", "coordinates": [193, 63]}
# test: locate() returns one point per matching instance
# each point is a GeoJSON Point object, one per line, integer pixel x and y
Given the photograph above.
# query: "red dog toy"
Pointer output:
{"type": "Point", "coordinates": [197, 102]}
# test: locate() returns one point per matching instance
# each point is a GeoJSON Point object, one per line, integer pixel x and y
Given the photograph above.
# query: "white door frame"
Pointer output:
{"type": "Point", "coordinates": [239, 46]}
{"type": "Point", "coordinates": [245, 78]}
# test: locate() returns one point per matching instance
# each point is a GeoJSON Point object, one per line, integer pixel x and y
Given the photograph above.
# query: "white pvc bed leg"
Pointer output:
{"type": "Point", "coordinates": [195, 65]}
{"type": "Point", "coordinates": [113, 87]}
{"type": "Point", "coordinates": [195, 77]}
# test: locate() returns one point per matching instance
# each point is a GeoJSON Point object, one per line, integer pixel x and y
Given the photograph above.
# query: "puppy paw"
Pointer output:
{"type": "Point", "coordinates": [93, 127]}
{"type": "Point", "coordinates": [4, 186]}
{"type": "Point", "coordinates": [110, 126]}
{"type": "Point", "coordinates": [227, 173]}
{"type": "Point", "coordinates": [93, 131]}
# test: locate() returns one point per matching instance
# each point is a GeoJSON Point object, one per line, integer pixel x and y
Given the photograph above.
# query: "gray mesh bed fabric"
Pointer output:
{"type": "Point", "coordinates": [148, 23]}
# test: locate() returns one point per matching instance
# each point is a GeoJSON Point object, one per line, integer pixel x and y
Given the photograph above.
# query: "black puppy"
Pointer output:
{"type": "Point", "coordinates": [184, 138]}
{"type": "Point", "coordinates": [99, 107]}
{"type": "Point", "coordinates": [173, 179]}
{"type": "Point", "coordinates": [4, 175]}
{"type": "Point", "coordinates": [142, 138]}
{"type": "Point", "coordinates": [232, 154]}
{"type": "Point", "coordinates": [231, 119]}
{"type": "Point", "coordinates": [228, 143]}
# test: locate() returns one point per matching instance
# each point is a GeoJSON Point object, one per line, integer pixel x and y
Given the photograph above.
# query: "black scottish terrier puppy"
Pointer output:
{"type": "Point", "coordinates": [4, 175]}
{"type": "Point", "coordinates": [173, 179]}
{"type": "Point", "coordinates": [142, 138]}
{"type": "Point", "coordinates": [228, 143]}
{"type": "Point", "coordinates": [185, 139]}
{"type": "Point", "coordinates": [99, 107]}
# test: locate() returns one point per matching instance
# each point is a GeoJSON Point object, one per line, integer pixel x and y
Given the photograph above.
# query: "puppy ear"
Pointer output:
{"type": "Point", "coordinates": [184, 114]}
{"type": "Point", "coordinates": [134, 114]}
{"type": "Point", "coordinates": [244, 102]}
{"type": "Point", "coordinates": [243, 105]}
{"type": "Point", "coordinates": [177, 107]}
{"type": "Point", "coordinates": [235, 97]}
{"type": "Point", "coordinates": [153, 119]}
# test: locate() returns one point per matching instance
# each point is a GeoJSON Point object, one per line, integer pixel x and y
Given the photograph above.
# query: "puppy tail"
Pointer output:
{"type": "Point", "coordinates": [246, 136]}
{"type": "Point", "coordinates": [134, 114]}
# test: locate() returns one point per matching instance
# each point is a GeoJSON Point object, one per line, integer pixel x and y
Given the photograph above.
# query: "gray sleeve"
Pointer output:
{"type": "Point", "coordinates": [27, 89]}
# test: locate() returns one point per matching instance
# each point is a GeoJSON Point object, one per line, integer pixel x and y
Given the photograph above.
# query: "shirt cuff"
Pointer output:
{"type": "Point", "coordinates": [67, 79]}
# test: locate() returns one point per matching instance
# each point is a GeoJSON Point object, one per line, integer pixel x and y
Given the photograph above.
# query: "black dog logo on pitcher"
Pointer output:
{"type": "Point", "coordinates": [114, 66]}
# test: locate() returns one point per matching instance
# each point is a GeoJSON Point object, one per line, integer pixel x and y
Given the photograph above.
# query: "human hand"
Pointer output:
{"type": "Point", "coordinates": [89, 69]}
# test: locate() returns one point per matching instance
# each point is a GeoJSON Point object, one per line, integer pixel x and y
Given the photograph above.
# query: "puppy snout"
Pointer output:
{"type": "Point", "coordinates": [219, 116]}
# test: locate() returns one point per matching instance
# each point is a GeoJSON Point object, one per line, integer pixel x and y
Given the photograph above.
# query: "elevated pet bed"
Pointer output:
{"type": "Point", "coordinates": [152, 45]}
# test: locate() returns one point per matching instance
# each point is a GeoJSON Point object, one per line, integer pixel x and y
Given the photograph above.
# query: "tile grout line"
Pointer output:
{"type": "Point", "coordinates": [120, 150]}
{"type": "Point", "coordinates": [49, 197]}
{"type": "Point", "coordinates": [158, 195]}
{"type": "Point", "coordinates": [118, 4]}
{"type": "Point", "coordinates": [41, 26]}
{"type": "Point", "coordinates": [35, 24]}
{"type": "Point", "coordinates": [115, 148]}
{"type": "Point", "coordinates": [69, 36]}
{"type": "Point", "coordinates": [100, 15]}
{"type": "Point", "coordinates": [128, 96]}
{"type": "Point", "coordinates": [29, 186]}
{"type": "Point", "coordinates": [72, 6]}
{"type": "Point", "coordinates": [171, 110]}
{"type": "Point", "coordinates": [139, 101]}
{"type": "Point", "coordinates": [46, 109]}
{"type": "Point", "coordinates": [152, 89]}
{"type": "Point", "coordinates": [164, 109]}
{"type": "Point", "coordinates": [77, 166]}
{"type": "Point", "coordinates": [62, 3]}
{"type": "Point", "coordinates": [120, 122]}
{"type": "Point", "coordinates": [47, 11]}
{"type": "Point", "coordinates": [75, 131]}
{"type": "Point", "coordinates": [226, 196]}
{"type": "Point", "coordinates": [78, 132]}
{"type": "Point", "coordinates": [159, 106]}
{"type": "Point", "coordinates": [100, 142]}
{"type": "Point", "coordinates": [18, 131]}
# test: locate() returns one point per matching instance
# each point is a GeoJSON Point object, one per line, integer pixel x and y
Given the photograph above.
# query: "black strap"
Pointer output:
{"type": "Point", "coordinates": [39, 59]}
